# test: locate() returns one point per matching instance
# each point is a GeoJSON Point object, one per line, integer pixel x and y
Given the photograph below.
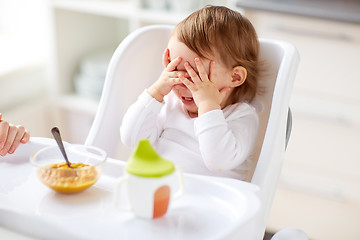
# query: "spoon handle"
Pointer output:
{"type": "Point", "coordinates": [56, 133]}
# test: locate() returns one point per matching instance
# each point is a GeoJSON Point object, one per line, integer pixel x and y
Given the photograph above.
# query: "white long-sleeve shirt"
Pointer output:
{"type": "Point", "coordinates": [217, 143]}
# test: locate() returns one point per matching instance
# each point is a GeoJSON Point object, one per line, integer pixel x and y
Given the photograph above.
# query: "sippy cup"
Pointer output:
{"type": "Point", "coordinates": [151, 181]}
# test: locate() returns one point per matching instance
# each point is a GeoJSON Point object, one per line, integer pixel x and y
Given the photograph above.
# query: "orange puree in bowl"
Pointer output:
{"type": "Point", "coordinates": [63, 179]}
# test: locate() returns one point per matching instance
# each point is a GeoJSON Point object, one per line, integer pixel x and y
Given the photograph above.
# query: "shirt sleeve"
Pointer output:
{"type": "Point", "coordinates": [140, 121]}
{"type": "Point", "coordinates": [226, 143]}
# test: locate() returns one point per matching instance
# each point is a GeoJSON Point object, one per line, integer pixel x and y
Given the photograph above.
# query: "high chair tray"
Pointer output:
{"type": "Point", "coordinates": [211, 208]}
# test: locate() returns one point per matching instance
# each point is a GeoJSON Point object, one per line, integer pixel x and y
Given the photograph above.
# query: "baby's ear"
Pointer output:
{"type": "Point", "coordinates": [238, 75]}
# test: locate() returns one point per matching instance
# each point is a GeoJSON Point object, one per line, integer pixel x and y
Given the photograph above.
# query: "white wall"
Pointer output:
{"type": "Point", "coordinates": [24, 52]}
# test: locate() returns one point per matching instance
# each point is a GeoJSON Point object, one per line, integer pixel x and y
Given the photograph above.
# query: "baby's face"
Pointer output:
{"type": "Point", "coordinates": [176, 49]}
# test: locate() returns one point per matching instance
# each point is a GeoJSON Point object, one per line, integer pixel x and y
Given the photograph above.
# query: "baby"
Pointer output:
{"type": "Point", "coordinates": [198, 113]}
{"type": "Point", "coordinates": [11, 136]}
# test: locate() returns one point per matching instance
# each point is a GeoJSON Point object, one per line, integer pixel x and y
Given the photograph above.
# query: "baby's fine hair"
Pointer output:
{"type": "Point", "coordinates": [217, 31]}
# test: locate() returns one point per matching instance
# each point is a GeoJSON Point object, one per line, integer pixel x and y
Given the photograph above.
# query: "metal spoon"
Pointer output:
{"type": "Point", "coordinates": [56, 133]}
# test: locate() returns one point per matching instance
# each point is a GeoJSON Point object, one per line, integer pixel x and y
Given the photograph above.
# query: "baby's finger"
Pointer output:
{"type": "Point", "coordinates": [212, 72]}
{"type": "Point", "coordinates": [173, 64]}
{"type": "Point", "coordinates": [188, 83]}
{"type": "Point", "coordinates": [175, 81]}
{"type": "Point", "coordinates": [223, 92]}
{"type": "Point", "coordinates": [201, 69]}
{"type": "Point", "coordinates": [166, 57]}
{"type": "Point", "coordinates": [192, 73]}
{"type": "Point", "coordinates": [178, 73]}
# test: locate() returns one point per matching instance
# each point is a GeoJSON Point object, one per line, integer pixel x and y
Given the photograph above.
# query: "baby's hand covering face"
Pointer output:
{"type": "Point", "coordinates": [169, 77]}
{"type": "Point", "coordinates": [206, 94]}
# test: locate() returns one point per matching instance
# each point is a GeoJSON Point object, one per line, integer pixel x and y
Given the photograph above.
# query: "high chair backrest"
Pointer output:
{"type": "Point", "coordinates": [137, 62]}
{"type": "Point", "coordinates": [280, 62]}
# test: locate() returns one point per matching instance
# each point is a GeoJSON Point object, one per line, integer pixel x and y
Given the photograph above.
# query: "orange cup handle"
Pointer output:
{"type": "Point", "coordinates": [180, 192]}
{"type": "Point", "coordinates": [117, 193]}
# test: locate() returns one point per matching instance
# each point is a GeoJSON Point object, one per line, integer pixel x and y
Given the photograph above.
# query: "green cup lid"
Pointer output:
{"type": "Point", "coordinates": [146, 162]}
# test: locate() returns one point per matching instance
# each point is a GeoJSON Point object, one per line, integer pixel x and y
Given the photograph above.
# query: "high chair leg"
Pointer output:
{"type": "Point", "coordinates": [290, 234]}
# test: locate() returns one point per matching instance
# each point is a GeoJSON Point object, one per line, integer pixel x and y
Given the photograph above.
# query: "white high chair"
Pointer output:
{"type": "Point", "coordinates": [137, 62]}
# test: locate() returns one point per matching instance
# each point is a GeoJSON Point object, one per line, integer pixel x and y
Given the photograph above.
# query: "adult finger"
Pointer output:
{"type": "Point", "coordinates": [4, 129]}
{"type": "Point", "coordinates": [19, 135]}
{"type": "Point", "coordinates": [26, 137]}
{"type": "Point", "coordinates": [9, 140]}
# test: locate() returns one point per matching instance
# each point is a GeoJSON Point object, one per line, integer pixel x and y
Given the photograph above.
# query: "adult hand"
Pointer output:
{"type": "Point", "coordinates": [11, 136]}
